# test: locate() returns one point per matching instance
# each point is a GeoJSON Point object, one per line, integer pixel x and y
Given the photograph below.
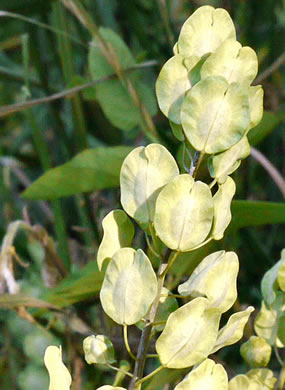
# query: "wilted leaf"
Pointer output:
{"type": "Point", "coordinates": [145, 171]}
{"type": "Point", "coordinates": [189, 335]}
{"type": "Point", "coordinates": [222, 208]}
{"type": "Point", "coordinates": [92, 169]}
{"type": "Point", "coordinates": [215, 278]}
{"type": "Point", "coordinates": [232, 61]}
{"type": "Point", "coordinates": [118, 233]}
{"type": "Point", "coordinates": [204, 31]}
{"type": "Point", "coordinates": [233, 330]}
{"type": "Point", "coordinates": [256, 352]}
{"type": "Point", "coordinates": [215, 115]}
{"type": "Point", "coordinates": [223, 164]}
{"type": "Point", "coordinates": [129, 286]}
{"type": "Point", "coordinates": [207, 375]}
{"type": "Point", "coordinates": [16, 300]}
{"type": "Point", "coordinates": [183, 214]}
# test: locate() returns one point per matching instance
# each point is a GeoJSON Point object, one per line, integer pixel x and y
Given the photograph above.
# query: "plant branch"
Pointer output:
{"type": "Point", "coordinates": [11, 108]}
{"type": "Point", "coordinates": [272, 68]}
{"type": "Point", "coordinates": [270, 168]}
{"type": "Point", "coordinates": [146, 333]}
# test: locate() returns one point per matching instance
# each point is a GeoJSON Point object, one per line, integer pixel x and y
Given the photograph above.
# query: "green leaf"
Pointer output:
{"type": "Point", "coordinates": [204, 31]}
{"type": "Point", "coordinates": [215, 115]}
{"type": "Point", "coordinates": [189, 335]}
{"type": "Point", "coordinates": [177, 131]}
{"type": "Point", "coordinates": [268, 123]}
{"type": "Point", "coordinates": [216, 270]}
{"type": "Point", "coordinates": [172, 85]}
{"type": "Point", "coordinates": [145, 171]}
{"type": "Point", "coordinates": [79, 286]}
{"type": "Point", "coordinates": [263, 376]}
{"type": "Point", "coordinates": [269, 284]}
{"type": "Point", "coordinates": [232, 61]}
{"type": "Point", "coordinates": [223, 164]}
{"type": "Point", "coordinates": [129, 286]}
{"type": "Point", "coordinates": [184, 213]}
{"type": "Point", "coordinates": [208, 375]}
{"type": "Point", "coordinates": [256, 352]}
{"type": "Point", "coordinates": [92, 169]}
{"type": "Point", "coordinates": [113, 95]}
{"type": "Point", "coordinates": [118, 233]}
{"type": "Point", "coordinates": [255, 213]}
{"type": "Point", "coordinates": [98, 350]}
{"type": "Point", "coordinates": [233, 330]}
{"type": "Point", "coordinates": [222, 208]}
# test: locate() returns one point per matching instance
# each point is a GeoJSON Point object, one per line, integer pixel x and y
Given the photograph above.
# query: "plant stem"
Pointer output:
{"type": "Point", "coordinates": [146, 333]}
{"type": "Point", "coordinates": [125, 327]}
{"type": "Point", "coordinates": [149, 376]}
{"type": "Point", "coordinates": [119, 370]}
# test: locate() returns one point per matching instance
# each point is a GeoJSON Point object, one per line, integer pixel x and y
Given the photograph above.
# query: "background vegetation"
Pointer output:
{"type": "Point", "coordinates": [52, 110]}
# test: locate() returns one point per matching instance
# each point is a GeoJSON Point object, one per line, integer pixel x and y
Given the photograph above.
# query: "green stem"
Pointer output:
{"type": "Point", "coordinates": [125, 327]}
{"type": "Point", "coordinates": [171, 262]}
{"type": "Point", "coordinates": [119, 370]}
{"type": "Point", "coordinates": [146, 333]}
{"type": "Point", "coordinates": [146, 378]}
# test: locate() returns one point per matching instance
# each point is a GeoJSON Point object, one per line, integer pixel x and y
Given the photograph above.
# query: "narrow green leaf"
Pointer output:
{"type": "Point", "coordinates": [232, 61]}
{"type": "Point", "coordinates": [268, 123]}
{"type": "Point", "coordinates": [233, 330]}
{"type": "Point", "coordinates": [184, 213]}
{"type": "Point", "coordinates": [92, 169]}
{"type": "Point", "coordinates": [167, 304]}
{"type": "Point", "coordinates": [129, 286]}
{"type": "Point", "coordinates": [216, 270]}
{"type": "Point", "coordinates": [215, 115]}
{"type": "Point", "coordinates": [222, 208]}
{"type": "Point", "coordinates": [118, 233]}
{"type": "Point", "coordinates": [145, 171]}
{"type": "Point", "coordinates": [255, 213]}
{"type": "Point", "coordinates": [79, 286]}
{"type": "Point", "coordinates": [204, 31]}
{"type": "Point", "coordinates": [189, 335]}
{"type": "Point", "coordinates": [13, 301]}
{"type": "Point", "coordinates": [208, 375]}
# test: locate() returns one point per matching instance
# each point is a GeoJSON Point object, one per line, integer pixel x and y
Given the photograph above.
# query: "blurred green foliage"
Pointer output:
{"type": "Point", "coordinates": [44, 51]}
